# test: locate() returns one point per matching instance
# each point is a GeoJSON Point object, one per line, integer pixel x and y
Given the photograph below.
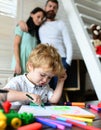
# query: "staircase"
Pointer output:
{"type": "Point", "coordinates": [81, 14]}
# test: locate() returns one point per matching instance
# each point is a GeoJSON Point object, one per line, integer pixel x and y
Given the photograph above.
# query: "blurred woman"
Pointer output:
{"type": "Point", "coordinates": [24, 42]}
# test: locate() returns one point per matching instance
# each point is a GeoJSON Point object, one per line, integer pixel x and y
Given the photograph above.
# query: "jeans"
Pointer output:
{"type": "Point", "coordinates": [54, 80]}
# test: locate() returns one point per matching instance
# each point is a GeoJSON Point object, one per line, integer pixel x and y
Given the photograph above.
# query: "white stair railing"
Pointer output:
{"type": "Point", "coordinates": [81, 14]}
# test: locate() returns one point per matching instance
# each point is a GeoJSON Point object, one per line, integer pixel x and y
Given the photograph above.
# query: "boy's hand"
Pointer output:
{"type": "Point", "coordinates": [63, 76]}
{"type": "Point", "coordinates": [37, 99]}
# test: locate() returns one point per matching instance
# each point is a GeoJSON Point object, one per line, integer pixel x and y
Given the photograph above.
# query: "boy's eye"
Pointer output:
{"type": "Point", "coordinates": [42, 75]}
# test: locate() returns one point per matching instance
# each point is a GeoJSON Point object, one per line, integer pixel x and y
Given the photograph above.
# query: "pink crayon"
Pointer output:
{"type": "Point", "coordinates": [96, 108]}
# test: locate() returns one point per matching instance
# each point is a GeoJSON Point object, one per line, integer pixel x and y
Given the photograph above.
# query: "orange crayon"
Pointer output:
{"type": "Point", "coordinates": [80, 104]}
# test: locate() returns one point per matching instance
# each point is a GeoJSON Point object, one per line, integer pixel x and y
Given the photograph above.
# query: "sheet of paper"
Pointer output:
{"type": "Point", "coordinates": [49, 110]}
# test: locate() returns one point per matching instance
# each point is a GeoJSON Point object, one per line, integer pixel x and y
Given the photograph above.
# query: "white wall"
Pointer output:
{"type": "Point", "coordinates": [6, 40]}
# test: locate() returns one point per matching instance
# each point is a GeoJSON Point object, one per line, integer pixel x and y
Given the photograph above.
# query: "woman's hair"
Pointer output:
{"type": "Point", "coordinates": [32, 28]}
{"type": "Point", "coordinates": [45, 55]}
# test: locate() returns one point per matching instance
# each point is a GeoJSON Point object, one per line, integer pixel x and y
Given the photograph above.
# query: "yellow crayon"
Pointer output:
{"type": "Point", "coordinates": [81, 115]}
{"type": "Point", "coordinates": [78, 118]}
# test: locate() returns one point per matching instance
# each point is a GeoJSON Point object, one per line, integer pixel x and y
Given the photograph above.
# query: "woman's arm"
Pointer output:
{"type": "Point", "coordinates": [17, 42]}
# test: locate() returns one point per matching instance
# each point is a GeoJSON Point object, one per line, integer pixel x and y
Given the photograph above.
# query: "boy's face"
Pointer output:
{"type": "Point", "coordinates": [40, 76]}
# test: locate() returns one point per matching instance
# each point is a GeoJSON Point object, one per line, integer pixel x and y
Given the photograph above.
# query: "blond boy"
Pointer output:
{"type": "Point", "coordinates": [44, 62]}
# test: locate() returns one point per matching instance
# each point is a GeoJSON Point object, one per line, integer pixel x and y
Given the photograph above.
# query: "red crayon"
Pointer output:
{"type": "Point", "coordinates": [33, 126]}
{"type": "Point", "coordinates": [99, 105]}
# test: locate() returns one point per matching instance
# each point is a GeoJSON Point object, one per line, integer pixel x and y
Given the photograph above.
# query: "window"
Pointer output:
{"type": "Point", "coordinates": [8, 8]}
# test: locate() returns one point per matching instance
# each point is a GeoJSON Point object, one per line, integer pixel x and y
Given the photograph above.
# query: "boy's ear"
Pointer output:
{"type": "Point", "coordinates": [30, 66]}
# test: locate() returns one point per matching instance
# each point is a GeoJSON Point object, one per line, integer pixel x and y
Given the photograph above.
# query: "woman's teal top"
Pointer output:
{"type": "Point", "coordinates": [28, 42]}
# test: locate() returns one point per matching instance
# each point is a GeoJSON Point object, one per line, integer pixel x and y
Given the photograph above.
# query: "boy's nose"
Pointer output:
{"type": "Point", "coordinates": [45, 79]}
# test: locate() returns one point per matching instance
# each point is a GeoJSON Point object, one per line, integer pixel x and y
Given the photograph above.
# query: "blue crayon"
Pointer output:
{"type": "Point", "coordinates": [45, 122]}
{"type": "Point", "coordinates": [59, 122]}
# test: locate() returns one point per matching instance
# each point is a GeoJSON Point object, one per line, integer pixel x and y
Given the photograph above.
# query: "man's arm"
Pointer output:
{"type": "Point", "coordinates": [23, 26]}
{"type": "Point", "coordinates": [67, 42]}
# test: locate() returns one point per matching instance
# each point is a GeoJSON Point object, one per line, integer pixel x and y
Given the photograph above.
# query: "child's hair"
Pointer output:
{"type": "Point", "coordinates": [45, 55]}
